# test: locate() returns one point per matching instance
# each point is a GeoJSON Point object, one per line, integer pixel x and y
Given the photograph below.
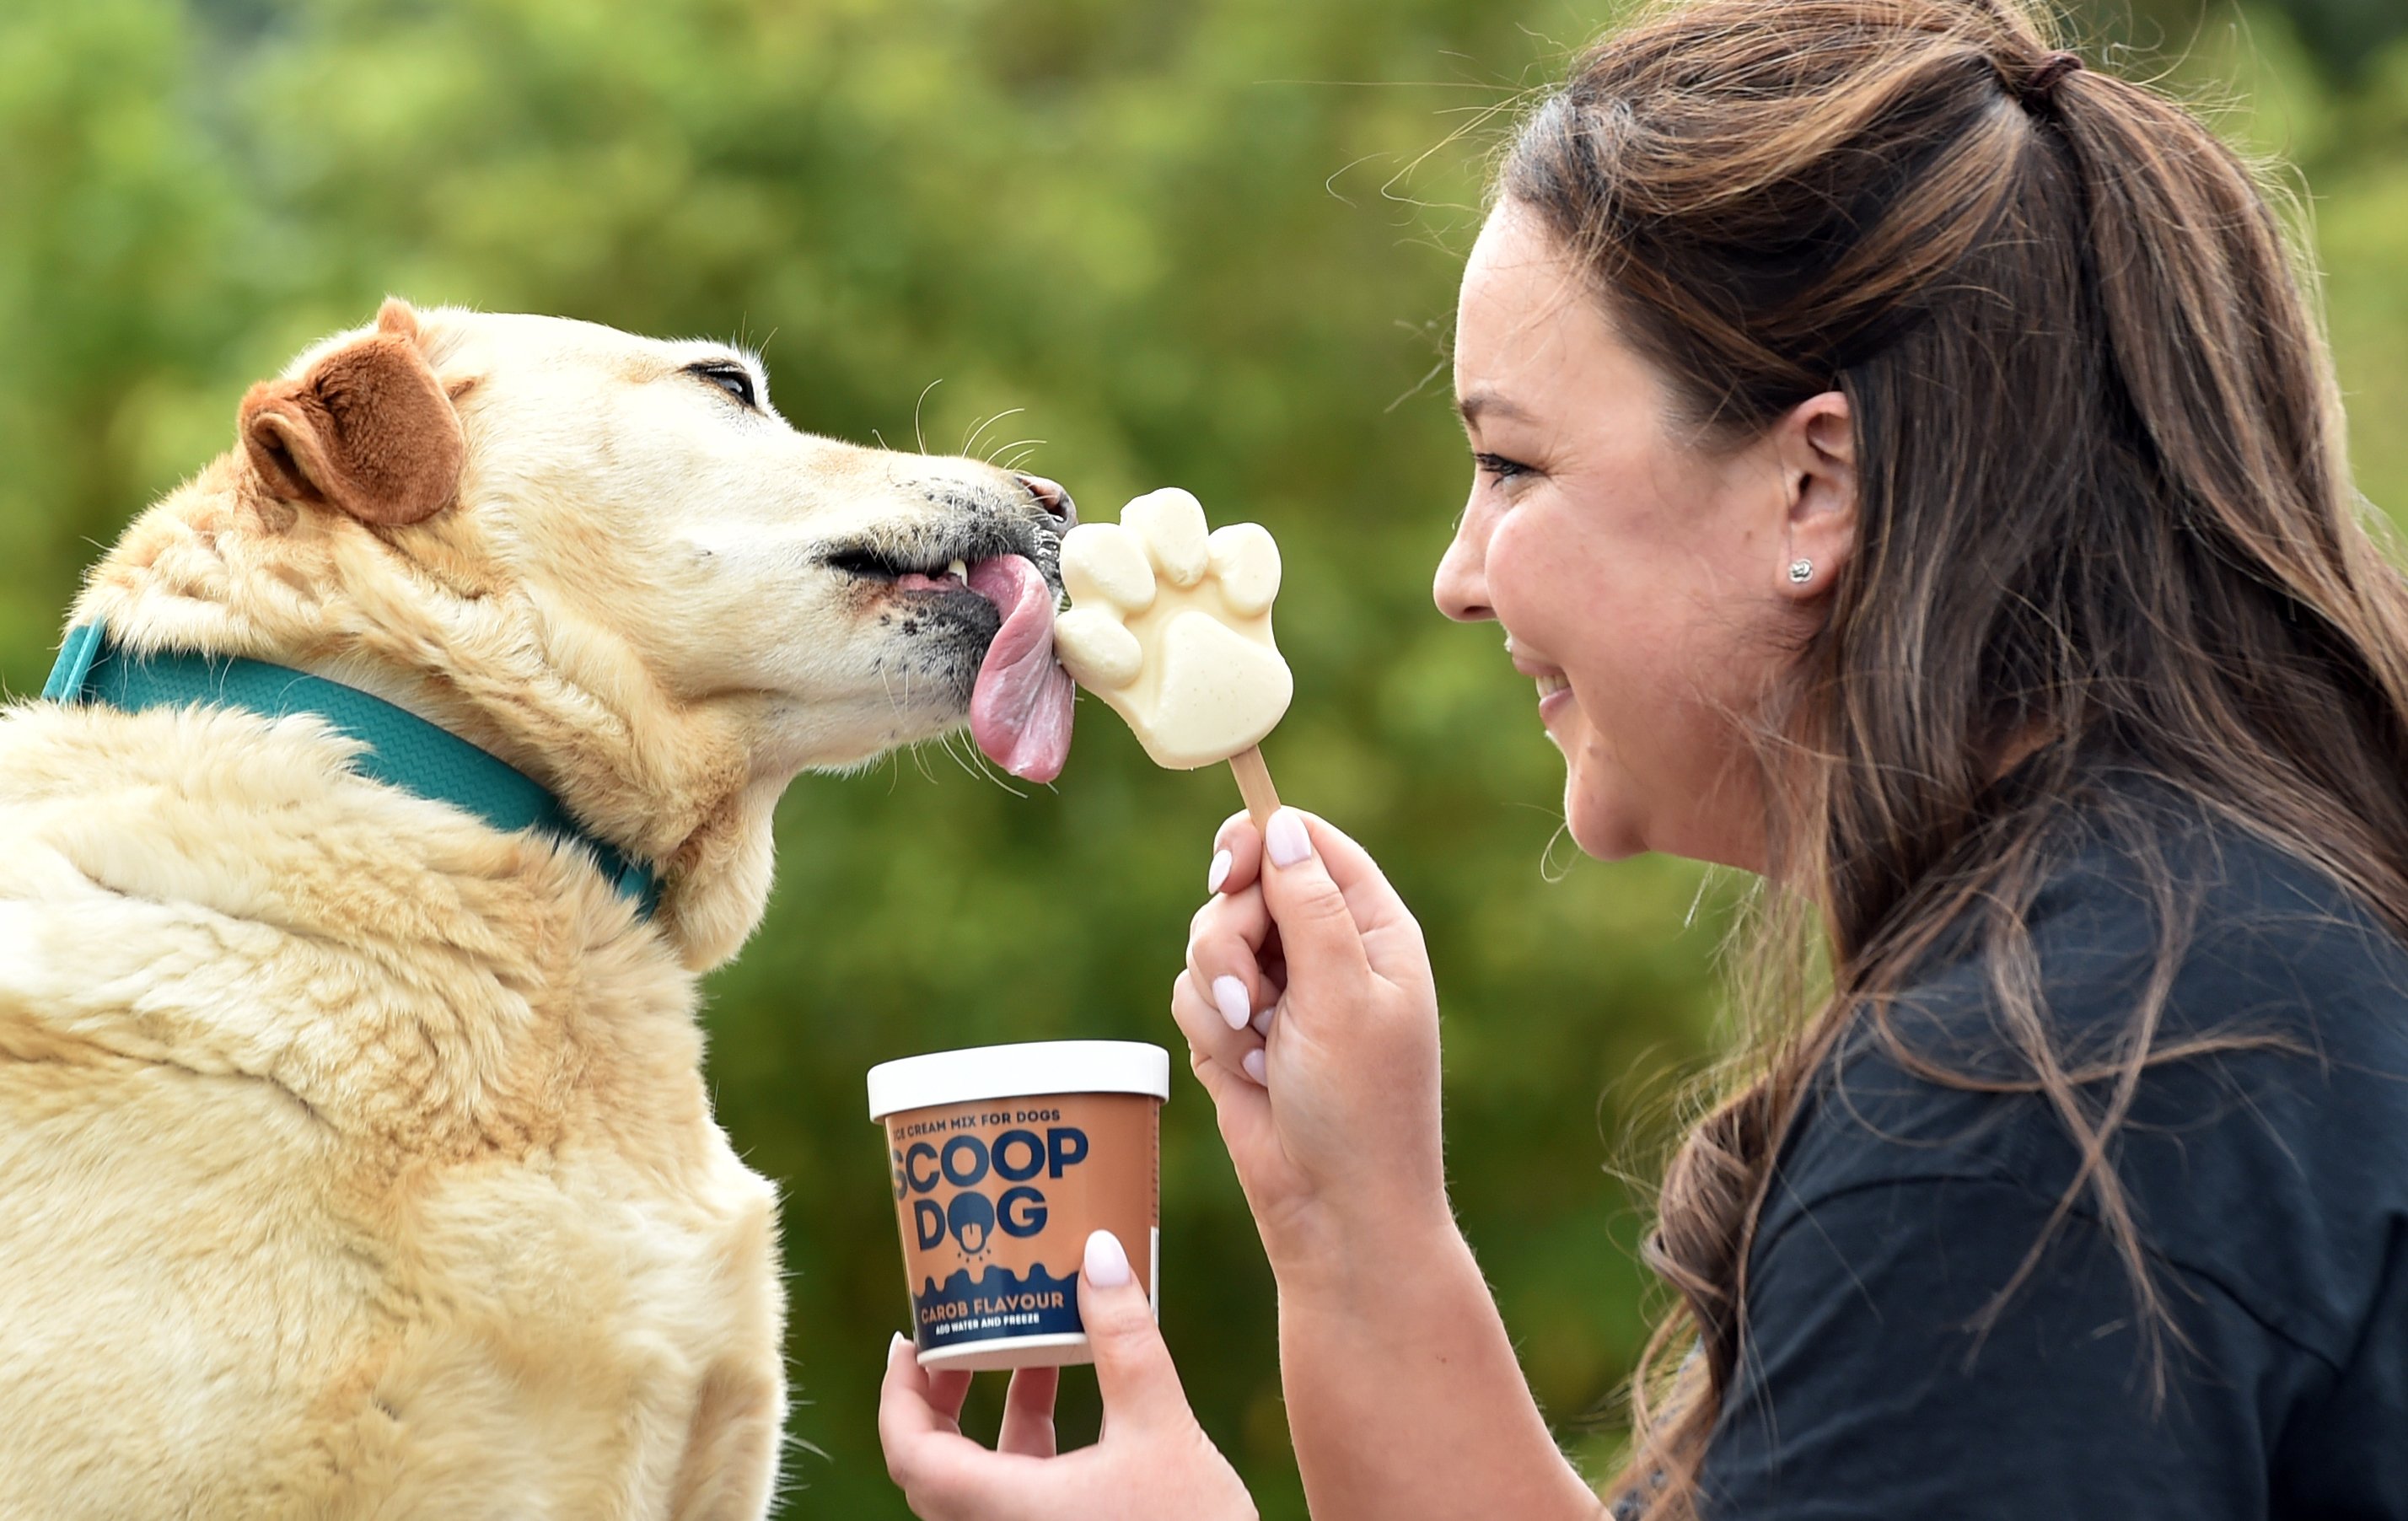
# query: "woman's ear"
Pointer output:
{"type": "Point", "coordinates": [368, 431]}
{"type": "Point", "coordinates": [1816, 445]}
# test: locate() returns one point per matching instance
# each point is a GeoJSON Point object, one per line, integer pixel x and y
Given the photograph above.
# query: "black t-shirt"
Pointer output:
{"type": "Point", "coordinates": [2270, 1189]}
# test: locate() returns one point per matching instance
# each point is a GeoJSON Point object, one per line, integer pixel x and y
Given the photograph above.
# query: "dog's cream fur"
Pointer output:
{"type": "Point", "coordinates": [355, 1159]}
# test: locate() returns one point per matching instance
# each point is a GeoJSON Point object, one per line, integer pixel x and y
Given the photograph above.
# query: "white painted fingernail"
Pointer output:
{"type": "Point", "coordinates": [1229, 995]}
{"type": "Point", "coordinates": [1263, 1021]}
{"type": "Point", "coordinates": [1107, 1265]}
{"type": "Point", "coordinates": [896, 1345]}
{"type": "Point", "coordinates": [1286, 839]}
{"type": "Point", "coordinates": [1222, 861]}
{"type": "Point", "coordinates": [1255, 1068]}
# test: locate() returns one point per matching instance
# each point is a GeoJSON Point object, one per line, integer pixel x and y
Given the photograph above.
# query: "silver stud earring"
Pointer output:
{"type": "Point", "coordinates": [1800, 572]}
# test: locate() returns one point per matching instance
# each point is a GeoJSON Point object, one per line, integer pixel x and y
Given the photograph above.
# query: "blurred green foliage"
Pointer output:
{"type": "Point", "coordinates": [1211, 243]}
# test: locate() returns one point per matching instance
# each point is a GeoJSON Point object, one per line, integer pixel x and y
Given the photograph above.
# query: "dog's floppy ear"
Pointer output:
{"type": "Point", "coordinates": [367, 431]}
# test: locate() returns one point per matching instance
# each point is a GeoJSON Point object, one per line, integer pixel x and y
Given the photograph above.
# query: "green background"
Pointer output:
{"type": "Point", "coordinates": [1209, 242]}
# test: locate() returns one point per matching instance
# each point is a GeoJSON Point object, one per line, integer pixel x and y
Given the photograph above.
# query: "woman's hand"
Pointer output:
{"type": "Point", "coordinates": [1153, 1460]}
{"type": "Point", "coordinates": [1403, 1396]}
{"type": "Point", "coordinates": [1311, 1018]}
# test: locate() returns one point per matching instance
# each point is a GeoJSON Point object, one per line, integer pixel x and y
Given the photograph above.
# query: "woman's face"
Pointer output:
{"type": "Point", "coordinates": [1643, 577]}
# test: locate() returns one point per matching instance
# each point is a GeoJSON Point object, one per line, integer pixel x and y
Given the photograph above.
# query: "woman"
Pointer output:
{"type": "Point", "coordinates": [1909, 470]}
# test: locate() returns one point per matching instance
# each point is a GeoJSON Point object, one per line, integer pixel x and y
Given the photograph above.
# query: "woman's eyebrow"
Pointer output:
{"type": "Point", "coordinates": [1477, 402]}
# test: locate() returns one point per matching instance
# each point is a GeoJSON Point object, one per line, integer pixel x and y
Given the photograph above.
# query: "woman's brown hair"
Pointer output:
{"type": "Point", "coordinates": [2103, 512]}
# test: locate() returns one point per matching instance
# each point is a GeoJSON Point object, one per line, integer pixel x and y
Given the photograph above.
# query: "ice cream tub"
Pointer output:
{"type": "Point", "coordinates": [1003, 1160]}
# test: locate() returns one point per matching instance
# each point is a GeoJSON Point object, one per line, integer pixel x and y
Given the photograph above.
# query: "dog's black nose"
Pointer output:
{"type": "Point", "coordinates": [1053, 499]}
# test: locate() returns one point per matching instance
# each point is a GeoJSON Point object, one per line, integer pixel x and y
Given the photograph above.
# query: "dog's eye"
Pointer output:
{"type": "Point", "coordinates": [733, 379]}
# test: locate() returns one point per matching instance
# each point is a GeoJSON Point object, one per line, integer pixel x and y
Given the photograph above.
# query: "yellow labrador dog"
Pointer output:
{"type": "Point", "coordinates": [355, 1159]}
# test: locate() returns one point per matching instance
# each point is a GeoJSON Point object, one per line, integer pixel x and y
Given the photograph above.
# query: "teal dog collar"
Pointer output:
{"type": "Point", "coordinates": [404, 749]}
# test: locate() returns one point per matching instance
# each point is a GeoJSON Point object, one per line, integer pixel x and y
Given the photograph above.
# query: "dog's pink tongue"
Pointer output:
{"type": "Point", "coordinates": [1020, 710]}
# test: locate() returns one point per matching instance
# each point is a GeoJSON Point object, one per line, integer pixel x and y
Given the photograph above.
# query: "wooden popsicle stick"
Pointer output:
{"type": "Point", "coordinates": [1254, 784]}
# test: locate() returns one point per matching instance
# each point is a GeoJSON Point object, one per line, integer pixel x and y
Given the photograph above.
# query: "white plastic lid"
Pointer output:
{"type": "Point", "coordinates": [1018, 1072]}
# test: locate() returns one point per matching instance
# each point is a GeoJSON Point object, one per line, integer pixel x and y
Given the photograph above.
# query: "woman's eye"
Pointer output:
{"type": "Point", "coordinates": [1500, 466]}
{"type": "Point", "coordinates": [733, 379]}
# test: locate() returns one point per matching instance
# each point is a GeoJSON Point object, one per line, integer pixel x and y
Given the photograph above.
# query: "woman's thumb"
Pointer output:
{"type": "Point", "coordinates": [1133, 1371]}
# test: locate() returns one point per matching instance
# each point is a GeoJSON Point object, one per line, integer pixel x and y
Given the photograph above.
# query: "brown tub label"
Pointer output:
{"type": "Point", "coordinates": [996, 1199]}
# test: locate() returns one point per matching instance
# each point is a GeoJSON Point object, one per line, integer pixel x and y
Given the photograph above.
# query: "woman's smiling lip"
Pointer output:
{"type": "Point", "coordinates": [1555, 696]}
{"type": "Point", "coordinates": [1554, 686]}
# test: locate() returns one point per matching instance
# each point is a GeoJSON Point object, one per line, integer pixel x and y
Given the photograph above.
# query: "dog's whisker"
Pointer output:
{"type": "Point", "coordinates": [945, 743]}
{"type": "Point", "coordinates": [902, 713]}
{"type": "Point", "coordinates": [920, 763]}
{"type": "Point", "coordinates": [918, 747]}
{"type": "Point", "coordinates": [971, 442]}
{"type": "Point", "coordinates": [986, 770]}
{"type": "Point", "coordinates": [919, 437]}
{"type": "Point", "coordinates": [978, 766]}
{"type": "Point", "coordinates": [953, 752]}
{"type": "Point", "coordinates": [1016, 443]}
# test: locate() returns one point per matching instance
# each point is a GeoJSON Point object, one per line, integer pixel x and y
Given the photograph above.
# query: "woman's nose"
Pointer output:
{"type": "Point", "coordinates": [1461, 588]}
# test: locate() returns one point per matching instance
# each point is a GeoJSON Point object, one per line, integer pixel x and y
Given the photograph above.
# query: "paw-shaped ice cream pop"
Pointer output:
{"type": "Point", "coordinates": [1172, 626]}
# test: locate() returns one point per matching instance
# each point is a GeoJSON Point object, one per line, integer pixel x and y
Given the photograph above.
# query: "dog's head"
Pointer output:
{"type": "Point", "coordinates": [608, 560]}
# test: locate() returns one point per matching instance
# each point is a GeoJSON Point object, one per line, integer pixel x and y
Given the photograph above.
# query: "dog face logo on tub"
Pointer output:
{"type": "Point", "coordinates": [1001, 1185]}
